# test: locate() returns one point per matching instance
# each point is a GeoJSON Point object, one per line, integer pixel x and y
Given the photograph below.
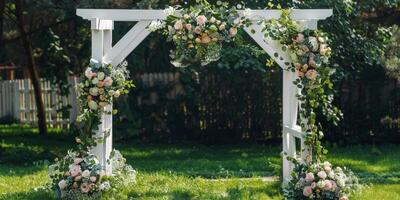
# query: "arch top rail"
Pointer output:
{"type": "Point", "coordinates": [144, 15]}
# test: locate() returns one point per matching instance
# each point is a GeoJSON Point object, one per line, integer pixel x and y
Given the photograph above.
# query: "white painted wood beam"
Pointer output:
{"type": "Point", "coordinates": [127, 44]}
{"type": "Point", "coordinates": [272, 47]}
{"type": "Point", "coordinates": [139, 15]}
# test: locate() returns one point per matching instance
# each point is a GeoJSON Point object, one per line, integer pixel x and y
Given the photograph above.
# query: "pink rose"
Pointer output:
{"type": "Point", "coordinates": [178, 25]}
{"type": "Point", "coordinates": [305, 67]}
{"type": "Point", "coordinates": [312, 63]}
{"type": "Point", "coordinates": [299, 38]}
{"type": "Point", "coordinates": [327, 169]}
{"type": "Point", "coordinates": [321, 174]}
{"type": "Point", "coordinates": [100, 84]}
{"type": "Point", "coordinates": [85, 188]}
{"type": "Point", "coordinates": [205, 39]}
{"type": "Point", "coordinates": [62, 184]}
{"type": "Point", "coordinates": [344, 198]}
{"type": "Point", "coordinates": [307, 191]}
{"type": "Point", "coordinates": [188, 26]}
{"type": "Point", "coordinates": [75, 170]}
{"type": "Point", "coordinates": [93, 179]}
{"type": "Point", "coordinates": [78, 178]}
{"type": "Point", "coordinates": [310, 177]}
{"type": "Point", "coordinates": [201, 20]}
{"type": "Point", "coordinates": [197, 30]}
{"type": "Point", "coordinates": [89, 74]}
{"type": "Point", "coordinates": [313, 185]}
{"type": "Point", "coordinates": [77, 161]}
{"type": "Point", "coordinates": [311, 74]}
{"type": "Point", "coordinates": [300, 74]}
{"type": "Point", "coordinates": [108, 81]}
{"type": "Point", "coordinates": [328, 185]}
{"type": "Point", "coordinates": [334, 185]}
{"type": "Point", "coordinates": [297, 65]}
{"type": "Point", "coordinates": [305, 48]}
{"type": "Point", "coordinates": [232, 32]}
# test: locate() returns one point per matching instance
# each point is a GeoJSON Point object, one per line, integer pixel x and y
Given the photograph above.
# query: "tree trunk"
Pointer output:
{"type": "Point", "coordinates": [34, 75]}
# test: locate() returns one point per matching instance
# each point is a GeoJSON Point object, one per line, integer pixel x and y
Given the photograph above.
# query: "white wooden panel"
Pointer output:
{"type": "Point", "coordinates": [127, 43]}
{"type": "Point", "coordinates": [101, 24]}
{"type": "Point", "coordinates": [139, 15]}
{"type": "Point", "coordinates": [289, 119]}
{"type": "Point", "coordinates": [273, 48]}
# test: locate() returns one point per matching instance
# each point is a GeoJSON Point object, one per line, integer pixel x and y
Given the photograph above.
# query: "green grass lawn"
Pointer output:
{"type": "Point", "coordinates": [187, 171]}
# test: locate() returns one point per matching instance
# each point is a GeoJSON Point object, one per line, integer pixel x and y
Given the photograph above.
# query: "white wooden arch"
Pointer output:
{"type": "Point", "coordinates": [102, 24]}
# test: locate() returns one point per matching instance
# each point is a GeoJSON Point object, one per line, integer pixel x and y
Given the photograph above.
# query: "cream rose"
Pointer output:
{"type": "Point", "coordinates": [201, 20]}
{"type": "Point", "coordinates": [178, 25]}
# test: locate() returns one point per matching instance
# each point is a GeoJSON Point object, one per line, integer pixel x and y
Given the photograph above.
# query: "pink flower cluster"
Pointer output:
{"type": "Point", "coordinates": [308, 52]}
{"type": "Point", "coordinates": [323, 179]}
{"type": "Point", "coordinates": [81, 175]}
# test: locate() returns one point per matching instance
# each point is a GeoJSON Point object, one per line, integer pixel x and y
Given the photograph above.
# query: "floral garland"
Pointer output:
{"type": "Point", "coordinates": [79, 175]}
{"type": "Point", "coordinates": [198, 32]}
{"type": "Point", "coordinates": [101, 84]}
{"type": "Point", "coordinates": [310, 55]}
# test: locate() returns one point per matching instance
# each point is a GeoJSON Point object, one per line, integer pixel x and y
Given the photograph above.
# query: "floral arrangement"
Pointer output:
{"type": "Point", "coordinates": [100, 85]}
{"type": "Point", "coordinates": [310, 55]}
{"type": "Point", "coordinates": [199, 31]}
{"type": "Point", "coordinates": [320, 181]}
{"type": "Point", "coordinates": [309, 50]}
{"type": "Point", "coordinates": [80, 176]}
{"type": "Point", "coordinates": [102, 82]}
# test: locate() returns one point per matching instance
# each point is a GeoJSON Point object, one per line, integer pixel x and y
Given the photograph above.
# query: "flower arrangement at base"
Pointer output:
{"type": "Point", "coordinates": [320, 181]}
{"type": "Point", "coordinates": [198, 32]}
{"type": "Point", "coordinates": [80, 176]}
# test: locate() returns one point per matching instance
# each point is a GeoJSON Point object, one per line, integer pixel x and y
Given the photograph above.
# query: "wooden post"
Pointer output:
{"type": "Point", "coordinates": [101, 42]}
{"type": "Point", "coordinates": [289, 119]}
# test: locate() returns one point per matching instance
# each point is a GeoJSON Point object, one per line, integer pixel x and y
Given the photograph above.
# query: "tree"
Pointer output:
{"type": "Point", "coordinates": [33, 71]}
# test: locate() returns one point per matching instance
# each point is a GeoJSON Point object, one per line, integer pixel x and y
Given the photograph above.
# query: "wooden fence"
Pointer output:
{"type": "Point", "coordinates": [17, 101]}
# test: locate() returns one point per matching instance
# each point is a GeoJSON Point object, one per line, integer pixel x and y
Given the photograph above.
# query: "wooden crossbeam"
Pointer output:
{"type": "Point", "coordinates": [139, 15]}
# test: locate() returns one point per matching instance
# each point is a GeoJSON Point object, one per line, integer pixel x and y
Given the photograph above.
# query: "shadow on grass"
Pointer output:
{"type": "Point", "coordinates": [372, 164]}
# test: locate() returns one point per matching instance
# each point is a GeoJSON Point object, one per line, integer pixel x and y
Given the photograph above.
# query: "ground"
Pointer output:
{"type": "Point", "coordinates": [187, 171]}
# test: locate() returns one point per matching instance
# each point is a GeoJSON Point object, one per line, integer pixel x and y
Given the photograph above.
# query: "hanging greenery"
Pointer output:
{"type": "Point", "coordinates": [310, 55]}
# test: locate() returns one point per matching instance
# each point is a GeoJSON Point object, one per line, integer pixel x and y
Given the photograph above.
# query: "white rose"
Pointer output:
{"type": "Point", "coordinates": [94, 91]}
{"type": "Point", "coordinates": [86, 174]}
{"type": "Point", "coordinates": [88, 73]}
{"type": "Point", "coordinates": [62, 184]}
{"type": "Point", "coordinates": [104, 186]}
{"type": "Point", "coordinates": [294, 57]}
{"type": "Point", "coordinates": [169, 11]}
{"type": "Point", "coordinates": [321, 184]}
{"type": "Point", "coordinates": [116, 94]}
{"type": "Point", "coordinates": [111, 92]}
{"type": "Point", "coordinates": [92, 105]}
{"type": "Point", "coordinates": [95, 81]}
{"type": "Point", "coordinates": [212, 20]}
{"type": "Point", "coordinates": [100, 76]}
{"type": "Point", "coordinates": [314, 43]}
{"type": "Point", "coordinates": [155, 25]}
